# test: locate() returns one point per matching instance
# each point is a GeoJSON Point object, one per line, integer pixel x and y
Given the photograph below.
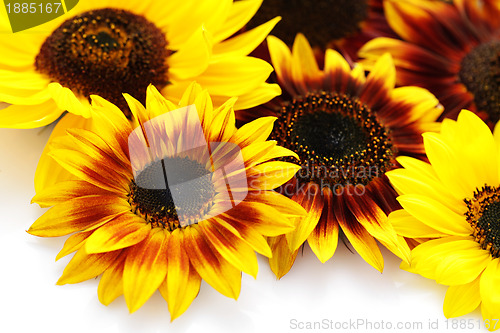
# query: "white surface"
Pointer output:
{"type": "Point", "coordinates": [342, 290]}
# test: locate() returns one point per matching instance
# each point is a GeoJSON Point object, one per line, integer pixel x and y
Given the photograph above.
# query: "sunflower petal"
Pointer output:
{"type": "Point", "coordinates": [282, 260]}
{"type": "Point", "coordinates": [78, 214]}
{"type": "Point", "coordinates": [311, 198]}
{"type": "Point", "coordinates": [145, 268]}
{"type": "Point", "coordinates": [84, 266]}
{"type": "Point", "coordinates": [73, 243]}
{"type": "Point", "coordinates": [111, 283]}
{"type": "Point", "coordinates": [488, 286]}
{"type": "Point", "coordinates": [435, 215]}
{"type": "Point", "coordinates": [462, 299]}
{"type": "Point", "coordinates": [182, 284]}
{"type": "Point", "coordinates": [324, 238]}
{"type": "Point", "coordinates": [230, 247]}
{"type": "Point", "coordinates": [215, 270]}
{"type": "Point", "coordinates": [123, 231]}
{"type": "Point", "coordinates": [193, 58]}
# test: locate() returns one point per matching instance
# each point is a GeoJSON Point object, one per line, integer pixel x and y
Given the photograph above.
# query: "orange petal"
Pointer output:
{"type": "Point", "coordinates": [261, 217]}
{"type": "Point", "coordinates": [123, 231]}
{"type": "Point", "coordinates": [324, 238]}
{"type": "Point", "coordinates": [215, 270]}
{"type": "Point", "coordinates": [64, 191]}
{"type": "Point", "coordinates": [246, 233]}
{"type": "Point", "coordinates": [85, 266]}
{"type": "Point", "coordinates": [282, 260]}
{"type": "Point", "coordinates": [145, 268]}
{"type": "Point", "coordinates": [310, 197]}
{"type": "Point", "coordinates": [182, 284]}
{"type": "Point", "coordinates": [73, 243]}
{"type": "Point", "coordinates": [78, 214]}
{"type": "Point", "coordinates": [359, 238]}
{"type": "Point", "coordinates": [230, 247]}
{"type": "Point", "coordinates": [111, 283]}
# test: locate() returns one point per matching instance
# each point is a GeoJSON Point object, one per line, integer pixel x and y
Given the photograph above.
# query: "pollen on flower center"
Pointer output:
{"type": "Point", "coordinates": [106, 52]}
{"type": "Point", "coordinates": [480, 73]}
{"type": "Point", "coordinates": [483, 214]}
{"type": "Point", "coordinates": [172, 193]}
{"type": "Point", "coordinates": [321, 21]}
{"type": "Point", "coordinates": [337, 138]}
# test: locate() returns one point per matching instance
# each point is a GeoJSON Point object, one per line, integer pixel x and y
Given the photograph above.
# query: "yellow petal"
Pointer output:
{"type": "Point", "coordinates": [304, 65]}
{"type": "Point", "coordinates": [29, 116]}
{"type": "Point", "coordinates": [73, 243]}
{"type": "Point", "coordinates": [215, 270]}
{"type": "Point", "coordinates": [490, 279]}
{"type": "Point", "coordinates": [193, 58]}
{"type": "Point", "coordinates": [230, 247]}
{"type": "Point", "coordinates": [67, 100]}
{"type": "Point", "coordinates": [234, 76]}
{"type": "Point", "coordinates": [270, 175]}
{"type": "Point", "coordinates": [311, 198]}
{"type": "Point", "coordinates": [282, 260]}
{"type": "Point", "coordinates": [48, 171]}
{"type": "Point", "coordinates": [111, 283]}
{"type": "Point", "coordinates": [85, 266]}
{"type": "Point", "coordinates": [182, 284]}
{"type": "Point", "coordinates": [78, 214]}
{"type": "Point", "coordinates": [243, 44]}
{"type": "Point", "coordinates": [123, 231]}
{"type": "Point", "coordinates": [408, 226]}
{"type": "Point", "coordinates": [435, 215]}
{"type": "Point", "coordinates": [239, 14]}
{"type": "Point", "coordinates": [324, 238]}
{"type": "Point", "coordinates": [145, 268]}
{"type": "Point", "coordinates": [255, 131]}
{"type": "Point", "coordinates": [462, 299]}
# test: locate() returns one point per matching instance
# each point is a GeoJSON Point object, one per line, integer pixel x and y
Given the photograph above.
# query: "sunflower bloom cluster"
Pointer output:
{"type": "Point", "coordinates": [188, 138]}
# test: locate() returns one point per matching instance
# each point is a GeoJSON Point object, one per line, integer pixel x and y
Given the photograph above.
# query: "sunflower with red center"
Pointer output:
{"type": "Point", "coordinates": [150, 208]}
{"type": "Point", "coordinates": [347, 130]}
{"type": "Point", "coordinates": [452, 49]}
{"type": "Point", "coordinates": [342, 24]}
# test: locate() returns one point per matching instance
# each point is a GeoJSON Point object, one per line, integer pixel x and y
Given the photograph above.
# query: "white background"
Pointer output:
{"type": "Point", "coordinates": [343, 290]}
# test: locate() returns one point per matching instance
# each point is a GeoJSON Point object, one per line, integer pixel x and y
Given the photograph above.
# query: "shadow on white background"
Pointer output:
{"type": "Point", "coordinates": [343, 290]}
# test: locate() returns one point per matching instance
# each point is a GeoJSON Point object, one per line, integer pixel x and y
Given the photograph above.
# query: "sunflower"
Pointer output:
{"type": "Point", "coordinates": [347, 130]}
{"type": "Point", "coordinates": [157, 207]}
{"type": "Point", "coordinates": [110, 47]}
{"type": "Point", "coordinates": [452, 207]}
{"type": "Point", "coordinates": [345, 25]}
{"type": "Point", "coordinates": [451, 49]}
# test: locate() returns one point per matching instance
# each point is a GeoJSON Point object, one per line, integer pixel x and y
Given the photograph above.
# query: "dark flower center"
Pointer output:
{"type": "Point", "coordinates": [106, 52]}
{"type": "Point", "coordinates": [337, 138]}
{"type": "Point", "coordinates": [321, 21]}
{"type": "Point", "coordinates": [480, 73]}
{"type": "Point", "coordinates": [172, 193]}
{"type": "Point", "coordinates": [483, 214]}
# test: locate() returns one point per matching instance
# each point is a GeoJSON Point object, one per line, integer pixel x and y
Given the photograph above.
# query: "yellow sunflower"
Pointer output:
{"type": "Point", "coordinates": [347, 130]}
{"type": "Point", "coordinates": [110, 47]}
{"type": "Point", "coordinates": [183, 196]}
{"type": "Point", "coordinates": [452, 207]}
